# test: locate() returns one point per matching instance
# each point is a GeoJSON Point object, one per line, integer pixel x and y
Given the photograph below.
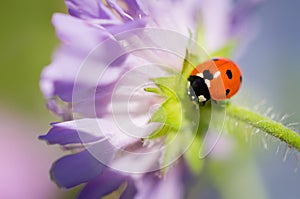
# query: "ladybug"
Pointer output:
{"type": "Point", "coordinates": [218, 79]}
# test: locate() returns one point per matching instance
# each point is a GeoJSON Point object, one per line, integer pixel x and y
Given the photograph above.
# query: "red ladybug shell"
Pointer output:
{"type": "Point", "coordinates": [222, 77]}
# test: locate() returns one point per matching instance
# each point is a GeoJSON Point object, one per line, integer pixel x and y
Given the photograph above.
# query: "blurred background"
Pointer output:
{"type": "Point", "coordinates": [271, 68]}
{"type": "Point", "coordinates": [270, 64]}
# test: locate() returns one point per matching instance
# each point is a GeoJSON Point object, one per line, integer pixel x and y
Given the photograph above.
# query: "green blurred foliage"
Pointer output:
{"type": "Point", "coordinates": [27, 41]}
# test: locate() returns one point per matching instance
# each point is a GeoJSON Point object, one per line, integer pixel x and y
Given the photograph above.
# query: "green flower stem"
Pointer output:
{"type": "Point", "coordinates": [265, 124]}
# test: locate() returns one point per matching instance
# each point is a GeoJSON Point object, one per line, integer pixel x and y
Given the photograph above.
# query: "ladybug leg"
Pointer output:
{"type": "Point", "coordinates": [214, 101]}
{"type": "Point", "coordinates": [202, 103]}
{"type": "Point", "coordinates": [196, 105]}
{"type": "Point", "coordinates": [221, 103]}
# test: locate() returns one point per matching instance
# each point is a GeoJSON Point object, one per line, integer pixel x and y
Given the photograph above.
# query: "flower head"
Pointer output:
{"type": "Point", "coordinates": [118, 81]}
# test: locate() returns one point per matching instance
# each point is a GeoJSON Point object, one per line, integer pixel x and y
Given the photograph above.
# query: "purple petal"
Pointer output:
{"type": "Point", "coordinates": [102, 185]}
{"type": "Point", "coordinates": [79, 38]}
{"type": "Point", "coordinates": [169, 14]}
{"type": "Point", "coordinates": [171, 185]}
{"type": "Point", "coordinates": [130, 25]}
{"type": "Point", "coordinates": [78, 33]}
{"type": "Point", "coordinates": [76, 131]}
{"type": "Point", "coordinates": [95, 105]}
{"type": "Point", "coordinates": [113, 4]}
{"type": "Point", "coordinates": [134, 9]}
{"type": "Point", "coordinates": [63, 89]}
{"type": "Point", "coordinates": [72, 170]}
{"type": "Point", "coordinates": [146, 185]}
{"type": "Point", "coordinates": [147, 158]}
{"type": "Point", "coordinates": [84, 91]}
{"type": "Point", "coordinates": [89, 9]}
{"type": "Point", "coordinates": [106, 183]}
{"type": "Point", "coordinates": [95, 9]}
{"type": "Point", "coordinates": [130, 190]}
{"type": "Point", "coordinates": [63, 136]}
{"type": "Point", "coordinates": [63, 68]}
{"type": "Point", "coordinates": [59, 77]}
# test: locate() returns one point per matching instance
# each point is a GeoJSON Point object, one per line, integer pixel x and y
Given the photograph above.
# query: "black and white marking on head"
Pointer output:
{"type": "Point", "coordinates": [200, 75]}
{"type": "Point", "coordinates": [198, 90]}
{"type": "Point", "coordinates": [207, 82]}
{"type": "Point", "coordinates": [201, 98]}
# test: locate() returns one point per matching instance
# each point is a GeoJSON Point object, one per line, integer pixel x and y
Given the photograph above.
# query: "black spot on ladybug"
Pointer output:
{"type": "Point", "coordinates": [227, 91]}
{"type": "Point", "coordinates": [198, 88]}
{"type": "Point", "coordinates": [207, 75]}
{"type": "Point", "coordinates": [229, 74]}
{"type": "Point", "coordinates": [241, 79]}
{"type": "Point", "coordinates": [215, 59]}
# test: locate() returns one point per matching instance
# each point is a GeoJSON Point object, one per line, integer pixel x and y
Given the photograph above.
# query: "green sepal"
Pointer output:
{"type": "Point", "coordinates": [153, 90]}
{"type": "Point", "coordinates": [169, 113]}
{"type": "Point", "coordinates": [188, 65]}
{"type": "Point", "coordinates": [226, 50]}
{"type": "Point", "coordinates": [161, 131]}
{"type": "Point", "coordinates": [167, 85]}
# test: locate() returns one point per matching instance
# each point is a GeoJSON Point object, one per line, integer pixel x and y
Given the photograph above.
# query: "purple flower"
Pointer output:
{"type": "Point", "coordinates": [109, 53]}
